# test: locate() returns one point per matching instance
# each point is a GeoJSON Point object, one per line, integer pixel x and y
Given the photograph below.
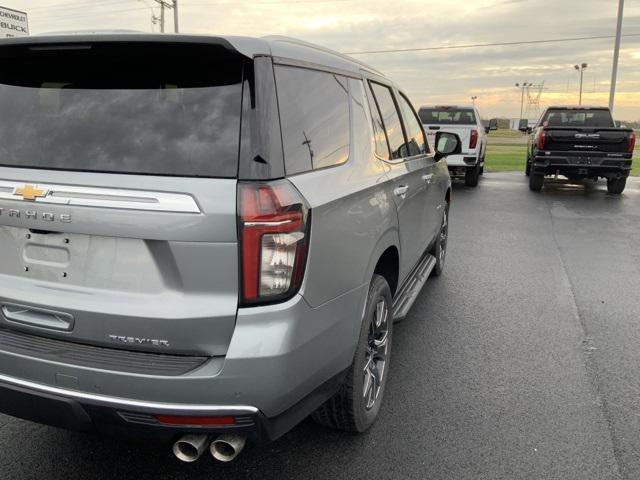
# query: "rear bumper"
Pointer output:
{"type": "Point", "coordinates": [463, 160]}
{"type": "Point", "coordinates": [582, 166]}
{"type": "Point", "coordinates": [83, 412]}
{"type": "Point", "coordinates": [282, 363]}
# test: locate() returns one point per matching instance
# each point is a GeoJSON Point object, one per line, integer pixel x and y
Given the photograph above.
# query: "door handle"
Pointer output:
{"type": "Point", "coordinates": [427, 178]}
{"type": "Point", "coordinates": [401, 191]}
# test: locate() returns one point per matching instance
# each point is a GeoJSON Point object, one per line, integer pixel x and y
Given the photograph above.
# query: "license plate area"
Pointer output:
{"type": "Point", "coordinates": [91, 261]}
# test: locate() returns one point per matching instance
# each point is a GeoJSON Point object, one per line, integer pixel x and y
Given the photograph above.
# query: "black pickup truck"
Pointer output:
{"type": "Point", "coordinates": [579, 142]}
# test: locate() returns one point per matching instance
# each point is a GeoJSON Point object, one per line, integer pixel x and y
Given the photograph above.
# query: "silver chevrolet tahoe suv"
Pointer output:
{"type": "Point", "coordinates": [207, 238]}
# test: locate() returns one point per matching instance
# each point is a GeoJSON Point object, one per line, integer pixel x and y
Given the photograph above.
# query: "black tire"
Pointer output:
{"type": "Point", "coordinates": [439, 249]}
{"type": "Point", "coordinates": [527, 167]}
{"type": "Point", "coordinates": [350, 408]}
{"type": "Point", "coordinates": [472, 176]}
{"type": "Point", "coordinates": [615, 186]}
{"type": "Point", "coordinates": [536, 180]}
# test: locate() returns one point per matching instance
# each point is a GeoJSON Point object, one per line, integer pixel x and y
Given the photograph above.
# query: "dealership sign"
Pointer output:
{"type": "Point", "coordinates": [13, 23]}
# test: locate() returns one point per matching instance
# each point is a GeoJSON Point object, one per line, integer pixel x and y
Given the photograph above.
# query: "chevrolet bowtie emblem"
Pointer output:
{"type": "Point", "coordinates": [29, 192]}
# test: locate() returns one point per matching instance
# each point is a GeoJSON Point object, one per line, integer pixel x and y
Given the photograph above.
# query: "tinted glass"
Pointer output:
{"type": "Point", "coordinates": [139, 108]}
{"type": "Point", "coordinates": [380, 138]}
{"type": "Point", "coordinates": [314, 112]}
{"type": "Point", "coordinates": [417, 143]}
{"type": "Point", "coordinates": [447, 116]}
{"type": "Point", "coordinates": [390, 118]}
{"type": "Point", "coordinates": [361, 132]}
{"type": "Point", "coordinates": [578, 118]}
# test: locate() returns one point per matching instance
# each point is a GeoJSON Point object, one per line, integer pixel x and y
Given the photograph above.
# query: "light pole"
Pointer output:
{"type": "Point", "coordinates": [581, 68]}
{"type": "Point", "coordinates": [523, 87]}
{"type": "Point", "coordinates": [473, 99]}
{"type": "Point", "coordinates": [616, 54]}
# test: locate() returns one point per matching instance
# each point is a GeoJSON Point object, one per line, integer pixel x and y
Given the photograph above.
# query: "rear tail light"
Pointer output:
{"type": "Point", "coordinates": [473, 141]}
{"type": "Point", "coordinates": [274, 235]}
{"type": "Point", "coordinates": [631, 143]}
{"type": "Point", "coordinates": [541, 138]}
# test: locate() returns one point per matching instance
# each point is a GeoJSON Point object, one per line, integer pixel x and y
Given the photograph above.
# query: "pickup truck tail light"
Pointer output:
{"type": "Point", "coordinates": [273, 228]}
{"type": "Point", "coordinates": [473, 141]}
{"type": "Point", "coordinates": [541, 139]}
{"type": "Point", "coordinates": [631, 142]}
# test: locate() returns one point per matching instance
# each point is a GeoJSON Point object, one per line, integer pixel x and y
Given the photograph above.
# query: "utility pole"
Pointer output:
{"type": "Point", "coordinates": [175, 16]}
{"type": "Point", "coordinates": [163, 5]}
{"type": "Point", "coordinates": [616, 55]}
{"type": "Point", "coordinates": [581, 67]}
{"type": "Point", "coordinates": [523, 87]}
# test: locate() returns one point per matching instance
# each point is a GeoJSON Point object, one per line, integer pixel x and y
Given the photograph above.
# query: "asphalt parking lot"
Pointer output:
{"type": "Point", "coordinates": [521, 361]}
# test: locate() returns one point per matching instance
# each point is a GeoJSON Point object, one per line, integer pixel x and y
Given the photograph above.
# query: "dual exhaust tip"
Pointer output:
{"type": "Point", "coordinates": [225, 448]}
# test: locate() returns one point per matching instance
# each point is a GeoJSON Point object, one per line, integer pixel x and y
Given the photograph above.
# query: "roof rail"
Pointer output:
{"type": "Point", "coordinates": [302, 43]}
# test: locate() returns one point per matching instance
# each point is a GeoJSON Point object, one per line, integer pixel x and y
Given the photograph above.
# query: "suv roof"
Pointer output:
{"type": "Point", "coordinates": [576, 107]}
{"type": "Point", "coordinates": [470, 107]}
{"type": "Point", "coordinates": [276, 46]}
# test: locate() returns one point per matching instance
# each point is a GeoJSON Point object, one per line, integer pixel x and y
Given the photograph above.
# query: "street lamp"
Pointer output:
{"type": "Point", "coordinates": [581, 68]}
{"type": "Point", "coordinates": [473, 99]}
{"type": "Point", "coordinates": [523, 87]}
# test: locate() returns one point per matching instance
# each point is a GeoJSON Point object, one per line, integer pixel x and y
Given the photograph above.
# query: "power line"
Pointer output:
{"type": "Point", "coordinates": [73, 17]}
{"type": "Point", "coordinates": [63, 16]}
{"type": "Point", "coordinates": [478, 45]}
{"type": "Point", "coordinates": [76, 4]}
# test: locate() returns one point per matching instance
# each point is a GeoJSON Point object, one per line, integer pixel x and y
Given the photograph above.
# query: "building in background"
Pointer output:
{"type": "Point", "coordinates": [13, 23]}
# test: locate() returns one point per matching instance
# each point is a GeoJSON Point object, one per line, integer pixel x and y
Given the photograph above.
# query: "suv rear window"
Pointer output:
{"type": "Point", "coordinates": [447, 116]}
{"type": "Point", "coordinates": [577, 118]}
{"type": "Point", "coordinates": [143, 108]}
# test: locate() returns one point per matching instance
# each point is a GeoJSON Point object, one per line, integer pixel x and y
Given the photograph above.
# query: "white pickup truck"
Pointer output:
{"type": "Point", "coordinates": [465, 122]}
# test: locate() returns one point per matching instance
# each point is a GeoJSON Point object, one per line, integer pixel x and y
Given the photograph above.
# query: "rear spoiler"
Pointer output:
{"type": "Point", "coordinates": [248, 47]}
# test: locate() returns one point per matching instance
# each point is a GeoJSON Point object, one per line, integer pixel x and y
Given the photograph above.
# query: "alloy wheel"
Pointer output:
{"type": "Point", "coordinates": [376, 354]}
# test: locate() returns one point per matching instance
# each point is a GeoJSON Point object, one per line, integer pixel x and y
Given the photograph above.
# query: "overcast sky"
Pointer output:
{"type": "Point", "coordinates": [442, 76]}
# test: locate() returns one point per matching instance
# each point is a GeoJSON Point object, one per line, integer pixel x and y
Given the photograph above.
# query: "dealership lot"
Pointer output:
{"type": "Point", "coordinates": [521, 361]}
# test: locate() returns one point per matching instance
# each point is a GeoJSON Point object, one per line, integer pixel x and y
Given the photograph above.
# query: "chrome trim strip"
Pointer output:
{"type": "Point", "coordinates": [266, 224]}
{"type": "Point", "coordinates": [104, 400]}
{"type": "Point", "coordinates": [103, 197]}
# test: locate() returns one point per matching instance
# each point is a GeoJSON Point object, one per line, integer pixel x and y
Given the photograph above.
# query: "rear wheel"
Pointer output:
{"type": "Point", "coordinates": [536, 180]}
{"type": "Point", "coordinates": [440, 248]}
{"type": "Point", "coordinates": [616, 186]}
{"type": "Point", "coordinates": [355, 406]}
{"type": "Point", "coordinates": [472, 175]}
{"type": "Point", "coordinates": [527, 167]}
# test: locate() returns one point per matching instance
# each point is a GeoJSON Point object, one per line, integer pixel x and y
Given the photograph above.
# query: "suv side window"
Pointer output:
{"type": "Point", "coordinates": [390, 119]}
{"type": "Point", "coordinates": [417, 144]}
{"type": "Point", "coordinates": [382, 147]}
{"type": "Point", "coordinates": [314, 113]}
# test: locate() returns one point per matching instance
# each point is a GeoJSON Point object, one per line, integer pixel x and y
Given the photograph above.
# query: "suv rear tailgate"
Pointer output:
{"type": "Point", "coordinates": [118, 166]}
{"type": "Point", "coordinates": [133, 278]}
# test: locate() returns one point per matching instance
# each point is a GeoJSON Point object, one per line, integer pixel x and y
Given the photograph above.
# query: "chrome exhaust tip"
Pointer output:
{"type": "Point", "coordinates": [190, 447]}
{"type": "Point", "coordinates": [227, 447]}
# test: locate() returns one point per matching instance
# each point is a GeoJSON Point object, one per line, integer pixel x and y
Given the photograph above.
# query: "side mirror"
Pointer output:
{"type": "Point", "coordinates": [523, 125]}
{"type": "Point", "coordinates": [447, 144]}
{"type": "Point", "coordinates": [493, 124]}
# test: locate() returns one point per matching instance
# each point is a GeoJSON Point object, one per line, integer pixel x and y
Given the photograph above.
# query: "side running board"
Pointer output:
{"type": "Point", "coordinates": [412, 287]}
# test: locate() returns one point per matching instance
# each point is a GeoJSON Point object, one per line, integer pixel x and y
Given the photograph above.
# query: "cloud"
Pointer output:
{"type": "Point", "coordinates": [428, 77]}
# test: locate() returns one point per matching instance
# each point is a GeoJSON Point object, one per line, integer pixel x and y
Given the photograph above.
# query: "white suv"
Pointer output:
{"type": "Point", "coordinates": [465, 122]}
